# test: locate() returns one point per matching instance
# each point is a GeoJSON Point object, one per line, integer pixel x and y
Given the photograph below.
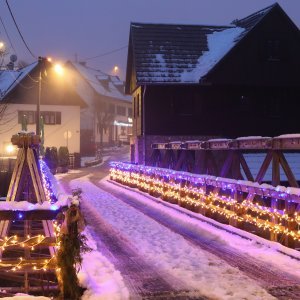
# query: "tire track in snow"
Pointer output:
{"type": "Point", "coordinates": [141, 279]}
{"type": "Point", "coordinates": [279, 284]}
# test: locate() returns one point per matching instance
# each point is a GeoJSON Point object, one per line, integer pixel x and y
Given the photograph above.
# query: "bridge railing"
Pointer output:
{"type": "Point", "coordinates": [268, 211]}
{"type": "Point", "coordinates": [226, 157]}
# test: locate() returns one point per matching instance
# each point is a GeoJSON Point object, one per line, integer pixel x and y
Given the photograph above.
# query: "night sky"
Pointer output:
{"type": "Point", "coordinates": [63, 28]}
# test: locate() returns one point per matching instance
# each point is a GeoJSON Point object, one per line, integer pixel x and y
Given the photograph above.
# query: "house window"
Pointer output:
{"type": "Point", "coordinates": [273, 50]}
{"type": "Point", "coordinates": [121, 110]}
{"type": "Point", "coordinates": [28, 115]}
{"type": "Point", "coordinates": [111, 108]}
{"type": "Point", "coordinates": [49, 117]}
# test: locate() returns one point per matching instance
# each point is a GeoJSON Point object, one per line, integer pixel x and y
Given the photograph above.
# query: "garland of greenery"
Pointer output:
{"type": "Point", "coordinates": [72, 244]}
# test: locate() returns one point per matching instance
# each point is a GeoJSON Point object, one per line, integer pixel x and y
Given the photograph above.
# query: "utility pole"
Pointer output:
{"type": "Point", "coordinates": [38, 112]}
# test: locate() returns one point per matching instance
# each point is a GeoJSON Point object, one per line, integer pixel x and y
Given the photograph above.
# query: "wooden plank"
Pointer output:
{"type": "Point", "coordinates": [35, 176]}
{"type": "Point", "coordinates": [245, 167]}
{"type": "Point", "coordinates": [18, 277]}
{"type": "Point", "coordinates": [275, 169]}
{"type": "Point", "coordinates": [264, 167]}
{"type": "Point", "coordinates": [236, 166]}
{"type": "Point", "coordinates": [227, 164]}
{"type": "Point", "coordinates": [275, 182]}
{"type": "Point", "coordinates": [200, 162]}
{"type": "Point", "coordinates": [211, 164]}
{"type": "Point", "coordinates": [287, 170]}
{"type": "Point", "coordinates": [12, 190]}
{"type": "Point", "coordinates": [28, 215]}
{"type": "Point", "coordinates": [49, 231]}
{"type": "Point", "coordinates": [180, 161]}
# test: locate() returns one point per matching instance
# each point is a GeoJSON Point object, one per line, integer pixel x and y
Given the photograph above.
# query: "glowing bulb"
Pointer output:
{"type": "Point", "coordinates": [59, 69]}
{"type": "Point", "coordinates": [9, 148]}
{"type": "Point", "coordinates": [116, 69]}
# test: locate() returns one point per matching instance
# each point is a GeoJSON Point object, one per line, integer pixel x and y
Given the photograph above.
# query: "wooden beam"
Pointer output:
{"type": "Point", "coordinates": [245, 167]}
{"type": "Point", "coordinates": [18, 277]}
{"type": "Point", "coordinates": [264, 167]}
{"type": "Point", "coordinates": [287, 170]}
{"type": "Point", "coordinates": [227, 164]}
{"type": "Point", "coordinates": [28, 215]}
{"type": "Point", "coordinates": [275, 169]}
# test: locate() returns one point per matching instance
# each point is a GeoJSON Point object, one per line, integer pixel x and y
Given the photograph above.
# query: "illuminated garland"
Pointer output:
{"type": "Point", "coordinates": [34, 265]}
{"type": "Point", "coordinates": [47, 184]}
{"type": "Point", "coordinates": [190, 192]}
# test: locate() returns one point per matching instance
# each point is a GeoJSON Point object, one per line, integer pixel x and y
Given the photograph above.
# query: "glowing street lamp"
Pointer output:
{"type": "Point", "coordinates": [116, 69]}
{"type": "Point", "coordinates": [58, 68]}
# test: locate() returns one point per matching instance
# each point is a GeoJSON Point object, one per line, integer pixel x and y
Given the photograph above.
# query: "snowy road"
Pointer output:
{"type": "Point", "coordinates": [158, 256]}
{"type": "Point", "coordinates": [162, 253]}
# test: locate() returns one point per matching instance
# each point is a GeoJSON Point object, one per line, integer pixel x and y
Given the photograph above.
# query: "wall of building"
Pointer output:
{"type": "Point", "coordinates": [65, 134]}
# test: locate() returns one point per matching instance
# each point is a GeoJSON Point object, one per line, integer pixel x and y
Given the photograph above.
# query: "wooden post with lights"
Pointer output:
{"type": "Point", "coordinates": [27, 230]}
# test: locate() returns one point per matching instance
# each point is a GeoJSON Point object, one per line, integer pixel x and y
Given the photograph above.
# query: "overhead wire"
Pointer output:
{"type": "Point", "coordinates": [8, 121]}
{"type": "Point", "coordinates": [12, 46]}
{"type": "Point", "coordinates": [12, 15]}
{"type": "Point", "coordinates": [11, 128]}
{"type": "Point", "coordinates": [106, 53]}
{"type": "Point", "coordinates": [7, 35]}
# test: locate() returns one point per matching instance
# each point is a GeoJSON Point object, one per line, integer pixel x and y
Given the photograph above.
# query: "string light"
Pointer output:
{"type": "Point", "coordinates": [47, 184]}
{"type": "Point", "coordinates": [190, 191]}
{"type": "Point", "coordinates": [29, 242]}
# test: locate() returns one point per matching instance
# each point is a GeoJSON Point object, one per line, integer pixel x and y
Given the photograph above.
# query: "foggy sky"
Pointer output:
{"type": "Point", "coordinates": [63, 28]}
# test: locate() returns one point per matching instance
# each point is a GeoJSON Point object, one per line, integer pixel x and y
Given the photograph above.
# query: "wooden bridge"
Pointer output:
{"type": "Point", "coordinates": [226, 157]}
{"type": "Point", "coordinates": [214, 179]}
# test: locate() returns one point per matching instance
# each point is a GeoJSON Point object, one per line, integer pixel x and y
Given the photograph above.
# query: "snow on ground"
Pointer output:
{"type": "Point", "coordinates": [170, 252]}
{"type": "Point", "coordinates": [92, 158]}
{"type": "Point", "coordinates": [97, 274]}
{"type": "Point", "coordinates": [275, 254]}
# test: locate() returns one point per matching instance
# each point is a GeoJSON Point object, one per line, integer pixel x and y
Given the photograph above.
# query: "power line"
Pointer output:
{"type": "Point", "coordinates": [7, 35]}
{"type": "Point", "coordinates": [11, 13]}
{"type": "Point", "coordinates": [106, 53]}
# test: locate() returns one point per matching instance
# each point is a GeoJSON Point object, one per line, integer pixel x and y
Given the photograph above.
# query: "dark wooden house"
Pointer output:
{"type": "Point", "coordinates": [195, 81]}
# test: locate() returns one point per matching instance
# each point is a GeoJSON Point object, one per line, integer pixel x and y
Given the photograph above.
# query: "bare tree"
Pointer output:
{"type": "Point", "coordinates": [104, 119]}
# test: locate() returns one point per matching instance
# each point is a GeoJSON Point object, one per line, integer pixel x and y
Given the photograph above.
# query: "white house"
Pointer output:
{"type": "Point", "coordinates": [59, 106]}
{"type": "Point", "coordinates": [107, 120]}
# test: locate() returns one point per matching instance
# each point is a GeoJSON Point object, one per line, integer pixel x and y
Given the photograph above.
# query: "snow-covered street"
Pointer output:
{"type": "Point", "coordinates": [155, 250]}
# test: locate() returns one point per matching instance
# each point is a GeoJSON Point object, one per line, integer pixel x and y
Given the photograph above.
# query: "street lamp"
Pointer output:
{"type": "Point", "coordinates": [41, 61]}
{"type": "Point", "coordinates": [41, 66]}
{"type": "Point", "coordinates": [59, 69]}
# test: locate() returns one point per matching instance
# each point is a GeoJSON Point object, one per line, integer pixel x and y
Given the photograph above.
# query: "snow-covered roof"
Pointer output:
{"type": "Point", "coordinates": [102, 83]}
{"type": "Point", "coordinates": [9, 79]}
{"type": "Point", "coordinates": [172, 53]}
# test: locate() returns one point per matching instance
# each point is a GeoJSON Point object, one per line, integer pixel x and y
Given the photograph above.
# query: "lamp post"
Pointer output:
{"type": "Point", "coordinates": [38, 113]}
{"type": "Point", "coordinates": [41, 66]}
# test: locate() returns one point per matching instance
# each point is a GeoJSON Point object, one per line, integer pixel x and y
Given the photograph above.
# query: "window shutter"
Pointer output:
{"type": "Point", "coordinates": [58, 117]}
